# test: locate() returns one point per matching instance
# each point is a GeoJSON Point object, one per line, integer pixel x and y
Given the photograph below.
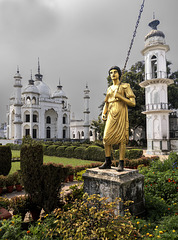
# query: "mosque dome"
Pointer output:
{"type": "Point", "coordinates": [59, 93]}
{"type": "Point", "coordinates": [43, 89]}
{"type": "Point", "coordinates": [31, 89]}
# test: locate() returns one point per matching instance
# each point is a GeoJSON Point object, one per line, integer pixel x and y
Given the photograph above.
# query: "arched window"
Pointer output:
{"type": "Point", "coordinates": [28, 100]}
{"type": "Point", "coordinates": [64, 120]}
{"type": "Point", "coordinates": [48, 132]}
{"type": "Point", "coordinates": [91, 134]}
{"type": "Point", "coordinates": [82, 133]}
{"type": "Point", "coordinates": [154, 66]}
{"type": "Point", "coordinates": [48, 119]}
{"type": "Point", "coordinates": [33, 101]}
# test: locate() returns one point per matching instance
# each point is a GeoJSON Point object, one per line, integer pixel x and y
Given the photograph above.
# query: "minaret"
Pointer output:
{"type": "Point", "coordinates": [86, 112]}
{"type": "Point", "coordinates": [17, 106]}
{"type": "Point", "coordinates": [38, 76]}
{"type": "Point", "coordinates": [156, 97]}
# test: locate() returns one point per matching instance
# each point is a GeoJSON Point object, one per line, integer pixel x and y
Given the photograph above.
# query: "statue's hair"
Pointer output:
{"type": "Point", "coordinates": [117, 68]}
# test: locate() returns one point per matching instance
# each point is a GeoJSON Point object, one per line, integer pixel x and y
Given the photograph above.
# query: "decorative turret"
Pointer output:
{"type": "Point", "coordinates": [155, 84]}
{"type": "Point", "coordinates": [86, 112]}
{"type": "Point", "coordinates": [17, 106]}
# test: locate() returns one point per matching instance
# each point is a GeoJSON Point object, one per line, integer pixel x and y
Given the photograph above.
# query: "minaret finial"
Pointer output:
{"type": "Point", "coordinates": [153, 15]}
{"type": "Point", "coordinates": [31, 74]}
{"type": "Point", "coordinates": [17, 68]}
{"type": "Point", "coordinates": [59, 81]}
{"type": "Point", "coordinates": [86, 84]}
{"type": "Point", "coordinates": [38, 65]}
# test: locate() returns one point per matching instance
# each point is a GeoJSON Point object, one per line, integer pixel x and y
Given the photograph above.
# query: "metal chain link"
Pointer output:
{"type": "Point", "coordinates": [134, 34]}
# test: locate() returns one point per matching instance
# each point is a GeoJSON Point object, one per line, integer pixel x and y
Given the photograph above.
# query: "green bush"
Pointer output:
{"type": "Point", "coordinates": [60, 151]}
{"type": "Point", "coordinates": [69, 151]}
{"type": "Point", "coordinates": [92, 218]}
{"type": "Point", "coordinates": [80, 152]}
{"type": "Point", "coordinates": [5, 160]}
{"type": "Point", "coordinates": [95, 153]}
{"type": "Point", "coordinates": [51, 150]}
{"type": "Point", "coordinates": [45, 147]}
{"type": "Point", "coordinates": [31, 163]}
{"type": "Point", "coordinates": [52, 175]}
{"type": "Point", "coordinates": [133, 153]}
{"type": "Point", "coordinates": [14, 146]}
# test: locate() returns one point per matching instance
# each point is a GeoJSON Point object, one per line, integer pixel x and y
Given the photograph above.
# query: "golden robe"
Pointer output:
{"type": "Point", "coordinates": [117, 123]}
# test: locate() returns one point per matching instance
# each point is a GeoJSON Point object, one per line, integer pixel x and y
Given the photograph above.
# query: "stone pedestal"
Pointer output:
{"type": "Point", "coordinates": [127, 185]}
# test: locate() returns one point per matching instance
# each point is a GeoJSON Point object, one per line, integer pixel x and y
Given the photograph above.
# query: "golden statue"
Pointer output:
{"type": "Point", "coordinates": [115, 112]}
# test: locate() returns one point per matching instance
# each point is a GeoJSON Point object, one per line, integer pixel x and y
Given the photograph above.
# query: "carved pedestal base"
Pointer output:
{"type": "Point", "coordinates": [127, 185]}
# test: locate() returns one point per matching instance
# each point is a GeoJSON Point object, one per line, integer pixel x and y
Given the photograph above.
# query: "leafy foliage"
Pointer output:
{"type": "Point", "coordinates": [5, 160]}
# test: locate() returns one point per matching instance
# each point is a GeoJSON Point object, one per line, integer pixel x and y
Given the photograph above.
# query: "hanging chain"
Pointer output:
{"type": "Point", "coordinates": [127, 58]}
{"type": "Point", "coordinates": [134, 34]}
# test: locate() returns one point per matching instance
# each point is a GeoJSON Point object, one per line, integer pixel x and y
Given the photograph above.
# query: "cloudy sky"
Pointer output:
{"type": "Point", "coordinates": [76, 41]}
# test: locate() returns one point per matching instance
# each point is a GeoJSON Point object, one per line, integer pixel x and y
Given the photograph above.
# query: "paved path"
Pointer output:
{"type": "Point", "coordinates": [65, 188]}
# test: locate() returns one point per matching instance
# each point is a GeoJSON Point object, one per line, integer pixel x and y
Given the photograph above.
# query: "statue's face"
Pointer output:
{"type": "Point", "coordinates": [114, 74]}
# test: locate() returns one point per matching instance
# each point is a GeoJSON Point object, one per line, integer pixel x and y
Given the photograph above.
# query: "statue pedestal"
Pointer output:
{"type": "Point", "coordinates": [127, 185]}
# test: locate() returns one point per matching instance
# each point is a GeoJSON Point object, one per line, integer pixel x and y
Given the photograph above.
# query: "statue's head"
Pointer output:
{"type": "Point", "coordinates": [117, 68]}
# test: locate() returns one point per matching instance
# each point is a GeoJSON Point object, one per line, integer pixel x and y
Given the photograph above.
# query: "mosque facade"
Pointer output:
{"type": "Point", "coordinates": [36, 112]}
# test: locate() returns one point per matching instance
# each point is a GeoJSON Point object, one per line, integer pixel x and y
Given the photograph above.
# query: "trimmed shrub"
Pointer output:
{"type": "Point", "coordinates": [60, 151]}
{"type": "Point", "coordinates": [45, 146]}
{"type": "Point", "coordinates": [69, 151]}
{"type": "Point", "coordinates": [14, 146]}
{"type": "Point", "coordinates": [67, 144]}
{"type": "Point", "coordinates": [52, 175]}
{"type": "Point", "coordinates": [51, 150]}
{"type": "Point", "coordinates": [95, 153]}
{"type": "Point", "coordinates": [5, 160]}
{"type": "Point", "coordinates": [31, 163]}
{"type": "Point", "coordinates": [133, 153]}
{"type": "Point", "coordinates": [80, 152]}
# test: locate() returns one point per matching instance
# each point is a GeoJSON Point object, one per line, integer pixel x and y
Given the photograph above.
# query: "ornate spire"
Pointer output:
{"type": "Point", "coordinates": [31, 81]}
{"type": "Point", "coordinates": [17, 68]}
{"type": "Point", "coordinates": [154, 23]}
{"type": "Point", "coordinates": [38, 65]}
{"type": "Point", "coordinates": [39, 76]}
{"type": "Point", "coordinates": [59, 86]}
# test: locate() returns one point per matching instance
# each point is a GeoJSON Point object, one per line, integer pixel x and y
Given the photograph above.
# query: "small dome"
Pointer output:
{"type": "Point", "coordinates": [154, 33]}
{"type": "Point", "coordinates": [43, 89]}
{"type": "Point", "coordinates": [59, 93]}
{"type": "Point", "coordinates": [31, 89]}
{"type": "Point", "coordinates": [154, 37]}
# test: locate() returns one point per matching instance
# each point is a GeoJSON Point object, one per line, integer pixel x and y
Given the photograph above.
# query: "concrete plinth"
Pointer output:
{"type": "Point", "coordinates": [127, 185]}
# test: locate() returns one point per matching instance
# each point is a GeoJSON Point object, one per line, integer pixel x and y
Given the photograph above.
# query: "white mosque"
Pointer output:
{"type": "Point", "coordinates": [36, 112]}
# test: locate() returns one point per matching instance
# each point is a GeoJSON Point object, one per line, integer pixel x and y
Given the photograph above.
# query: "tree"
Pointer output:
{"type": "Point", "coordinates": [98, 126]}
{"type": "Point", "coordinates": [173, 91]}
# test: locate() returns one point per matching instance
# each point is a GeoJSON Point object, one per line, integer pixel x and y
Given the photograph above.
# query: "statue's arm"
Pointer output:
{"type": "Point", "coordinates": [129, 101]}
{"type": "Point", "coordinates": [104, 113]}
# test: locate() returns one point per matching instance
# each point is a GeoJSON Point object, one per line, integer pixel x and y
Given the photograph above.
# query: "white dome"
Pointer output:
{"type": "Point", "coordinates": [43, 89]}
{"type": "Point", "coordinates": [31, 89]}
{"type": "Point", "coordinates": [59, 93]}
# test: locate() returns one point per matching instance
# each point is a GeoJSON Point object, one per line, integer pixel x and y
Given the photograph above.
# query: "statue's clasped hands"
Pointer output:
{"type": "Point", "coordinates": [104, 117]}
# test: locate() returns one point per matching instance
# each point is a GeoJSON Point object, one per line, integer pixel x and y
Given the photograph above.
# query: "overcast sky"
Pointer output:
{"type": "Point", "coordinates": [76, 41]}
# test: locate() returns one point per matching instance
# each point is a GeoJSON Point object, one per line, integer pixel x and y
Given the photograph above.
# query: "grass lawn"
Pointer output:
{"type": "Point", "coordinates": [65, 161]}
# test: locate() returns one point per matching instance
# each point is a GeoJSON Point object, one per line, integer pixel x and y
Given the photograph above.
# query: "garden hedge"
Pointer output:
{"type": "Point", "coordinates": [5, 160]}
{"type": "Point", "coordinates": [51, 150]}
{"type": "Point", "coordinates": [80, 153]}
{"type": "Point", "coordinates": [95, 153]}
{"type": "Point", "coordinates": [60, 151]}
{"type": "Point", "coordinates": [69, 151]}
